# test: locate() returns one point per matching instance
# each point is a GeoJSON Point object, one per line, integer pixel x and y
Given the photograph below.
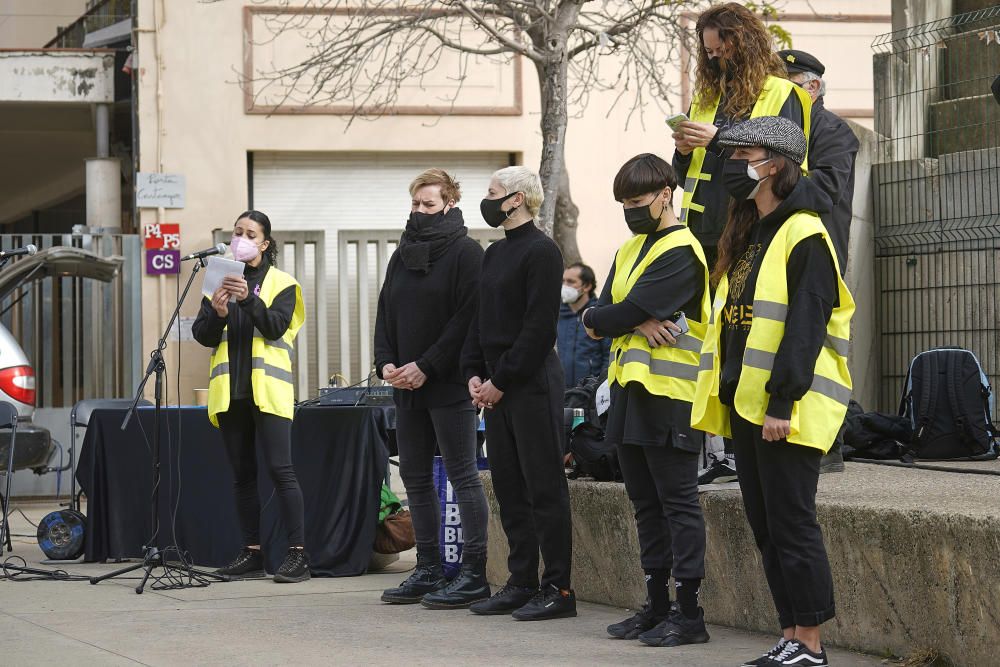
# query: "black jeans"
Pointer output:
{"type": "Point", "coordinates": [419, 434]}
{"type": "Point", "coordinates": [662, 483]}
{"type": "Point", "coordinates": [525, 451]}
{"type": "Point", "coordinates": [242, 426]}
{"type": "Point", "coordinates": [778, 481]}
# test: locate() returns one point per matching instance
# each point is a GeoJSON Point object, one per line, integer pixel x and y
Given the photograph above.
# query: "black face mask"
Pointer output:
{"type": "Point", "coordinates": [715, 66]}
{"type": "Point", "coordinates": [640, 220]}
{"type": "Point", "coordinates": [490, 208]}
{"type": "Point", "coordinates": [737, 180]}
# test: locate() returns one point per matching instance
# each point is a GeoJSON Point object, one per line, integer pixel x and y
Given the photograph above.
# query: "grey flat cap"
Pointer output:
{"type": "Point", "coordinates": [772, 132]}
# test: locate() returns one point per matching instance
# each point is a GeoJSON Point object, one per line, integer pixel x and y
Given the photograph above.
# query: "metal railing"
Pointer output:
{"type": "Point", "coordinates": [99, 14]}
{"type": "Point", "coordinates": [83, 337]}
{"type": "Point", "coordinates": [937, 193]}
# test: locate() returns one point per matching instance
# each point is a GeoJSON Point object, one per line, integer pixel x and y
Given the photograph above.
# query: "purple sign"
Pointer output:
{"type": "Point", "coordinates": [160, 262]}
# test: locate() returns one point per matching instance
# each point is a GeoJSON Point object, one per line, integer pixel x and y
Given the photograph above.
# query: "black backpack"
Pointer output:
{"type": "Point", "coordinates": [593, 456]}
{"type": "Point", "coordinates": [946, 398]}
{"type": "Point", "coordinates": [584, 396]}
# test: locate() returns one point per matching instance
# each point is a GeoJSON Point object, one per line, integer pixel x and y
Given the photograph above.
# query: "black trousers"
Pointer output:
{"type": "Point", "coordinates": [778, 481]}
{"type": "Point", "coordinates": [420, 433]}
{"type": "Point", "coordinates": [662, 483]}
{"type": "Point", "coordinates": [525, 452]}
{"type": "Point", "coordinates": [245, 429]}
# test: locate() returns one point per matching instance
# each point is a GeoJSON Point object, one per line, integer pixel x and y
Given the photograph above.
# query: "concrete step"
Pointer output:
{"type": "Point", "coordinates": [914, 557]}
{"type": "Point", "coordinates": [964, 124]}
{"type": "Point", "coordinates": [963, 6]}
{"type": "Point", "coordinates": [970, 60]}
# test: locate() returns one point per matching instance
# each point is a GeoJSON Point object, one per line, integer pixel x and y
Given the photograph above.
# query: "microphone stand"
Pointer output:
{"type": "Point", "coordinates": [153, 557]}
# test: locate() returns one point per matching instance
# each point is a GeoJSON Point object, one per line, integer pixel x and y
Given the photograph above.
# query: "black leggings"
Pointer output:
{"type": "Point", "coordinates": [242, 426]}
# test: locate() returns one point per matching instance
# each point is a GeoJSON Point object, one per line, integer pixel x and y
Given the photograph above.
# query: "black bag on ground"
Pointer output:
{"type": "Point", "coordinates": [593, 456]}
{"type": "Point", "coordinates": [584, 396]}
{"type": "Point", "coordinates": [873, 435]}
{"type": "Point", "coordinates": [946, 398]}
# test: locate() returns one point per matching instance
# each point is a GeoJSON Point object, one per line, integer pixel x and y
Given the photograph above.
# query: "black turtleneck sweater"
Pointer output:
{"type": "Point", "coordinates": [519, 299]}
{"type": "Point", "coordinates": [244, 317]}
{"type": "Point", "coordinates": [812, 293]}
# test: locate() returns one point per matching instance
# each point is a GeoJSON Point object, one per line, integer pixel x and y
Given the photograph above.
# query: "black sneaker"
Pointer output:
{"type": "Point", "coordinates": [719, 472]}
{"type": "Point", "coordinates": [549, 602]}
{"type": "Point", "coordinates": [294, 569]}
{"type": "Point", "coordinates": [677, 630]}
{"type": "Point", "coordinates": [509, 598]}
{"type": "Point", "coordinates": [248, 563]}
{"type": "Point", "coordinates": [796, 654]}
{"type": "Point", "coordinates": [631, 628]}
{"type": "Point", "coordinates": [768, 658]}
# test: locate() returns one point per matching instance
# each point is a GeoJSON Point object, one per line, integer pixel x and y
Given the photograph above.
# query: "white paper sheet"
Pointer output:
{"type": "Point", "coordinates": [218, 268]}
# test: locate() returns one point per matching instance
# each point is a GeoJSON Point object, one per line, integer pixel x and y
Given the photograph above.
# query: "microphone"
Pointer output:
{"type": "Point", "coordinates": [29, 249]}
{"type": "Point", "coordinates": [219, 249]}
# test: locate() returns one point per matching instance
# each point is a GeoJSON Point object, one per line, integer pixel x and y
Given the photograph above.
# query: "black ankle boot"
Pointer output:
{"type": "Point", "coordinates": [426, 578]}
{"type": "Point", "coordinates": [468, 586]}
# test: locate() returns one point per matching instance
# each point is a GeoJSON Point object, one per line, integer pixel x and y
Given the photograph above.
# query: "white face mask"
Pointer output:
{"type": "Point", "coordinates": [752, 173]}
{"type": "Point", "coordinates": [570, 294]}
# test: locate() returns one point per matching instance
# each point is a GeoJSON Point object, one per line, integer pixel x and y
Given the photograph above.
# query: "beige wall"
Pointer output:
{"type": "Point", "coordinates": [199, 128]}
{"type": "Point", "coordinates": [30, 24]}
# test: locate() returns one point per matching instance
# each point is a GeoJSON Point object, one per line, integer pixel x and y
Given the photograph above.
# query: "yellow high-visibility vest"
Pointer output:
{"type": "Point", "coordinates": [771, 99]}
{"type": "Point", "coordinates": [270, 360]}
{"type": "Point", "coordinates": [817, 417]}
{"type": "Point", "coordinates": [670, 370]}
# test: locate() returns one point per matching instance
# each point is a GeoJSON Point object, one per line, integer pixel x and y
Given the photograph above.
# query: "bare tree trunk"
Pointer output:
{"type": "Point", "coordinates": [565, 223]}
{"type": "Point", "coordinates": [552, 81]}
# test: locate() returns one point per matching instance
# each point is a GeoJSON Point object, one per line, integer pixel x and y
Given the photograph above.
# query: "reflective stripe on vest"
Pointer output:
{"type": "Point", "coordinates": [668, 370]}
{"type": "Point", "coordinates": [271, 376]}
{"type": "Point", "coordinates": [818, 415]}
{"type": "Point", "coordinates": [772, 98]}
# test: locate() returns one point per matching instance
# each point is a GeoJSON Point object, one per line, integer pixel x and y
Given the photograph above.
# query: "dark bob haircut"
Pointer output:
{"type": "Point", "coordinates": [643, 174]}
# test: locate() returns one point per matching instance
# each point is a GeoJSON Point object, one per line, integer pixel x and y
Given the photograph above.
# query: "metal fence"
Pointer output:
{"type": "Point", "coordinates": [82, 337]}
{"type": "Point", "coordinates": [99, 14]}
{"type": "Point", "coordinates": [937, 193]}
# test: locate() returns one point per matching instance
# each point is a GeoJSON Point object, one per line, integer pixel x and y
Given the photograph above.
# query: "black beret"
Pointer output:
{"type": "Point", "coordinates": [800, 61]}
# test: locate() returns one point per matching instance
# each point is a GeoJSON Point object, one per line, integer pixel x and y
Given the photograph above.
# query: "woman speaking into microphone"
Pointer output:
{"type": "Point", "coordinates": [251, 322]}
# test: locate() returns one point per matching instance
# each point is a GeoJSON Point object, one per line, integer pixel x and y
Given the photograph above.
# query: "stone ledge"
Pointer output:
{"type": "Point", "coordinates": [914, 555]}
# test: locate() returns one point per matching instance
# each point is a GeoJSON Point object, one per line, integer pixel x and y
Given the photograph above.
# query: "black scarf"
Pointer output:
{"type": "Point", "coordinates": [419, 247]}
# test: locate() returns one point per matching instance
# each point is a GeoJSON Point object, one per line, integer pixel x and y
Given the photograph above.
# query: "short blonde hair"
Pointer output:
{"type": "Point", "coordinates": [450, 189]}
{"type": "Point", "coordinates": [523, 180]}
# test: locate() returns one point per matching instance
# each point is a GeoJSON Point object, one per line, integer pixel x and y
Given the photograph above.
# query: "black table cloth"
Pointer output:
{"type": "Point", "coordinates": [339, 454]}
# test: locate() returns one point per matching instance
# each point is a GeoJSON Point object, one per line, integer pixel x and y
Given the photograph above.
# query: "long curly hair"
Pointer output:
{"type": "Point", "coordinates": [750, 59]}
{"type": "Point", "coordinates": [743, 215]}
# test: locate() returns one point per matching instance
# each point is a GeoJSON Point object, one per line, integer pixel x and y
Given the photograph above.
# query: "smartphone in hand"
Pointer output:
{"type": "Point", "coordinates": [680, 320]}
{"type": "Point", "coordinates": [675, 121]}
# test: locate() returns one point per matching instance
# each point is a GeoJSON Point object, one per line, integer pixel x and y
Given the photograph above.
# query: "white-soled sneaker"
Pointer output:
{"type": "Point", "coordinates": [795, 654]}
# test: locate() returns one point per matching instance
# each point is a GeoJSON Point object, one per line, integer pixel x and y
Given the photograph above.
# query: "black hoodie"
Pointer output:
{"type": "Point", "coordinates": [812, 293]}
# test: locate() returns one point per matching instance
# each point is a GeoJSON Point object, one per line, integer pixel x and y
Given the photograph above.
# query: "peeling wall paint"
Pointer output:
{"type": "Point", "coordinates": [38, 76]}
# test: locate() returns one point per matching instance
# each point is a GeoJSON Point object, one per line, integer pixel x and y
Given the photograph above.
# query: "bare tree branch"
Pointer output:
{"type": "Point", "coordinates": [363, 55]}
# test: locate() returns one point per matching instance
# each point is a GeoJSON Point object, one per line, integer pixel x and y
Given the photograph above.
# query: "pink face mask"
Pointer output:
{"type": "Point", "coordinates": [244, 249]}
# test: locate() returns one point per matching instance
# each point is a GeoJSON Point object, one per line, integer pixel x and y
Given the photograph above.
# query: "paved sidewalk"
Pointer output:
{"type": "Point", "coordinates": [321, 622]}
